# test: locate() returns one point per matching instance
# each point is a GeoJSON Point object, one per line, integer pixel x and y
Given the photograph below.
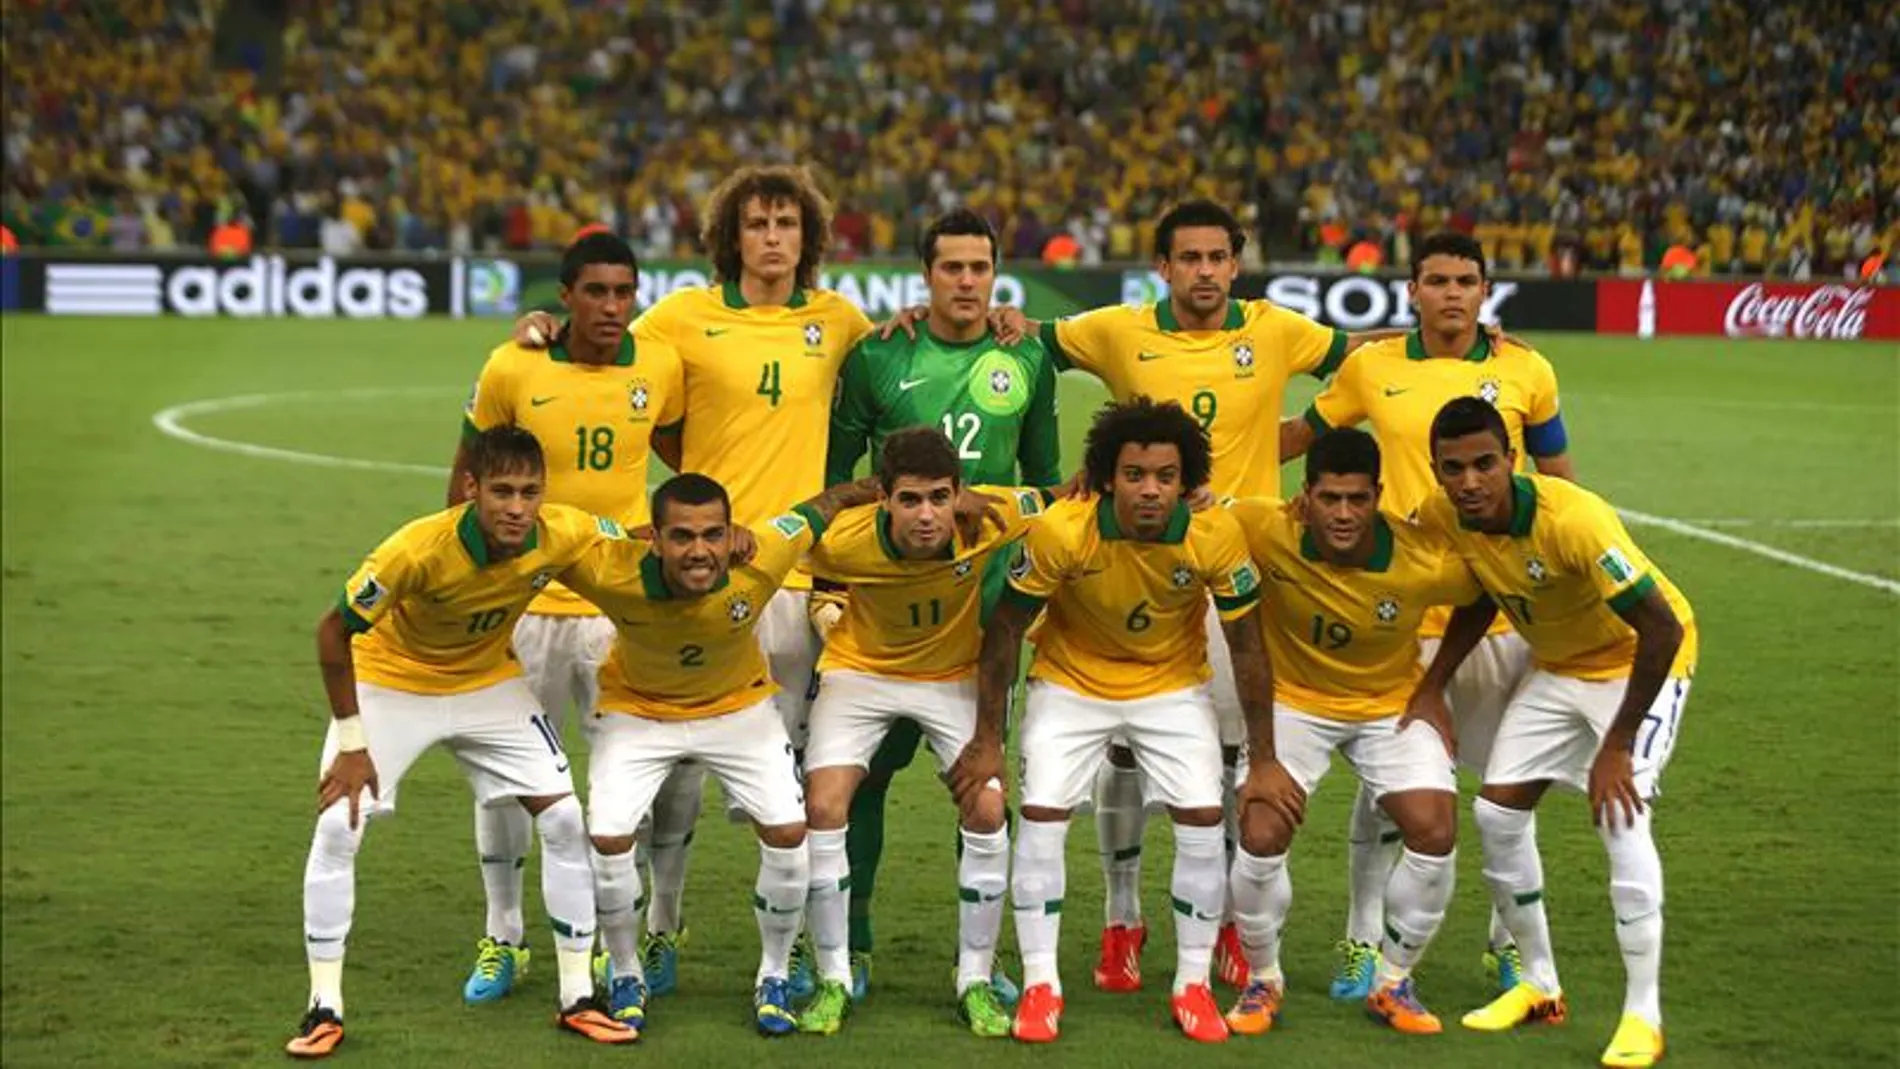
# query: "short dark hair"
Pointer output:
{"type": "Point", "coordinates": [1342, 451]}
{"type": "Point", "coordinates": [1142, 420]}
{"type": "Point", "coordinates": [957, 222]}
{"type": "Point", "coordinates": [1197, 213]}
{"type": "Point", "coordinates": [596, 248]}
{"type": "Point", "coordinates": [1448, 243]}
{"type": "Point", "coordinates": [689, 488]}
{"type": "Point", "coordinates": [504, 449]}
{"type": "Point", "coordinates": [920, 452]}
{"type": "Point", "coordinates": [770, 185]}
{"type": "Point", "coordinates": [1465, 416]}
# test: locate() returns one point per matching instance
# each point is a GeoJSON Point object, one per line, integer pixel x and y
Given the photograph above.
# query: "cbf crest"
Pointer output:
{"type": "Point", "coordinates": [961, 569]}
{"type": "Point", "coordinates": [814, 338]}
{"type": "Point", "coordinates": [541, 579]}
{"type": "Point", "coordinates": [1535, 569]}
{"type": "Point", "coordinates": [1385, 609]}
{"type": "Point", "coordinates": [1243, 360]}
{"type": "Point", "coordinates": [639, 398]}
{"type": "Point", "coordinates": [1182, 577]}
{"type": "Point", "coordinates": [999, 384]}
{"type": "Point", "coordinates": [739, 608]}
{"type": "Point", "coordinates": [1489, 390]}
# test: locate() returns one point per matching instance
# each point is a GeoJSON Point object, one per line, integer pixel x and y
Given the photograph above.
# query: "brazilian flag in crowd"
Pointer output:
{"type": "Point", "coordinates": [75, 223]}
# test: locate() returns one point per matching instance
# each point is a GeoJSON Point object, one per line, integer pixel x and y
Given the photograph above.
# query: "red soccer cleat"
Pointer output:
{"type": "Point", "coordinates": [1120, 967]}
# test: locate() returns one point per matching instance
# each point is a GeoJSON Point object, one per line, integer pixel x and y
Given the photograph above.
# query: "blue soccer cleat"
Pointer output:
{"type": "Point", "coordinates": [1004, 988]}
{"type": "Point", "coordinates": [660, 958]}
{"type": "Point", "coordinates": [497, 967]}
{"type": "Point", "coordinates": [1358, 965]}
{"type": "Point", "coordinates": [627, 1002]}
{"type": "Point", "coordinates": [860, 975]}
{"type": "Point", "coordinates": [804, 978]}
{"type": "Point", "coordinates": [1505, 966]}
{"type": "Point", "coordinates": [772, 1008]}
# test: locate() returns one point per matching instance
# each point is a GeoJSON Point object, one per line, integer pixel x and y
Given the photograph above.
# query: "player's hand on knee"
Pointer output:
{"type": "Point", "coordinates": [978, 767]}
{"type": "Point", "coordinates": [536, 330]}
{"type": "Point", "coordinates": [1270, 784]}
{"type": "Point", "coordinates": [346, 777]}
{"type": "Point", "coordinates": [1009, 324]}
{"type": "Point", "coordinates": [973, 510]}
{"type": "Point", "coordinates": [905, 321]}
{"type": "Point", "coordinates": [1427, 706]}
{"type": "Point", "coordinates": [1613, 786]}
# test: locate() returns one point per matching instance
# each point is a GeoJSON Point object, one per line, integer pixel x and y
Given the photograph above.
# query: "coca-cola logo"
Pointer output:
{"type": "Point", "coordinates": [1837, 312]}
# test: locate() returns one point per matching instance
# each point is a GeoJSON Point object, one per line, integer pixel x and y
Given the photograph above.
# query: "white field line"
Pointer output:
{"type": "Point", "coordinates": [1690, 530]}
{"type": "Point", "coordinates": [1803, 524]}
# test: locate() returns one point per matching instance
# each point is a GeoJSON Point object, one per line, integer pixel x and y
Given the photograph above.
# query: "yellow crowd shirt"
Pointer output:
{"type": "Point", "coordinates": [688, 658]}
{"type": "Point", "coordinates": [1233, 380]}
{"type": "Point", "coordinates": [911, 619]}
{"type": "Point", "coordinates": [594, 423]}
{"type": "Point", "coordinates": [1343, 640]}
{"type": "Point", "coordinates": [1561, 572]}
{"type": "Point", "coordinates": [1124, 618]}
{"type": "Point", "coordinates": [432, 614]}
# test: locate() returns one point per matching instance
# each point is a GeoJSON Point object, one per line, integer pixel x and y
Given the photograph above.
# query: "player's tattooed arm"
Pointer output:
{"type": "Point", "coordinates": [666, 445]}
{"type": "Point", "coordinates": [981, 761]}
{"type": "Point", "coordinates": [1462, 635]}
{"type": "Point", "coordinates": [351, 770]}
{"type": "Point", "coordinates": [1296, 435]}
{"type": "Point", "coordinates": [1612, 774]}
{"type": "Point", "coordinates": [1557, 467]}
{"type": "Point", "coordinates": [836, 499]}
{"type": "Point", "coordinates": [1267, 781]}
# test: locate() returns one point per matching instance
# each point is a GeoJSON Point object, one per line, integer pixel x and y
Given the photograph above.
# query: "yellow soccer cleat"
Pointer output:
{"type": "Point", "coordinates": [1637, 1044]}
{"type": "Point", "coordinates": [1522, 1004]}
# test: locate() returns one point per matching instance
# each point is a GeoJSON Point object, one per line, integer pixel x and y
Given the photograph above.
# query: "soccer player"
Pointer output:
{"type": "Point", "coordinates": [1615, 648]}
{"type": "Point", "coordinates": [1226, 362]}
{"type": "Point", "coordinates": [416, 655]}
{"type": "Point", "coordinates": [904, 652]}
{"type": "Point", "coordinates": [1121, 653]}
{"type": "Point", "coordinates": [686, 681]}
{"type": "Point", "coordinates": [760, 349]}
{"type": "Point", "coordinates": [997, 403]}
{"type": "Point", "coordinates": [1350, 585]}
{"type": "Point", "coordinates": [593, 398]}
{"type": "Point", "coordinates": [1397, 385]}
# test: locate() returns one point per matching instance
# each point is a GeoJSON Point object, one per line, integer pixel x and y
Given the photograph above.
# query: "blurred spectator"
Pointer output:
{"type": "Point", "coordinates": [1597, 133]}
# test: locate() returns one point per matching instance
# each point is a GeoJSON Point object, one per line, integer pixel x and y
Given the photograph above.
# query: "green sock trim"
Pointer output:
{"type": "Point", "coordinates": [1529, 898]}
{"type": "Point", "coordinates": [1127, 853]}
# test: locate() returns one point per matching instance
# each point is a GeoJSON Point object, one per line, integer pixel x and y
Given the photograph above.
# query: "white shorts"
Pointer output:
{"type": "Point", "coordinates": [791, 656]}
{"type": "Point", "coordinates": [855, 710]}
{"type": "Point", "coordinates": [746, 750]}
{"type": "Point", "coordinates": [497, 734]}
{"type": "Point", "coordinates": [1387, 760]}
{"type": "Point", "coordinates": [560, 658]}
{"type": "Point", "coordinates": [1555, 725]}
{"type": "Point", "coordinates": [1227, 714]}
{"type": "Point", "coordinates": [1065, 735]}
{"type": "Point", "coordinates": [1480, 690]}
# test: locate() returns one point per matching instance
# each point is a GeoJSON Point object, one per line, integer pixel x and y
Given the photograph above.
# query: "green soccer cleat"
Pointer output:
{"type": "Point", "coordinates": [824, 1015]}
{"type": "Point", "coordinates": [983, 1012]}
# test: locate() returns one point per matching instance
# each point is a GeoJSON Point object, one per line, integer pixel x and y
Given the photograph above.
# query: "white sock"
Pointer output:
{"type": "Point", "coordinates": [1120, 821]}
{"type": "Point", "coordinates": [567, 889]}
{"type": "Point", "coordinates": [1200, 893]}
{"type": "Point", "coordinates": [828, 910]}
{"type": "Point", "coordinates": [1036, 890]}
{"type": "Point", "coordinates": [1636, 893]}
{"type": "Point", "coordinates": [329, 902]}
{"type": "Point", "coordinates": [1515, 872]}
{"type": "Point", "coordinates": [982, 877]}
{"type": "Point", "coordinates": [675, 813]}
{"type": "Point", "coordinates": [617, 903]}
{"type": "Point", "coordinates": [1371, 842]}
{"type": "Point", "coordinates": [1262, 893]}
{"type": "Point", "coordinates": [779, 904]}
{"type": "Point", "coordinates": [1415, 901]}
{"type": "Point", "coordinates": [502, 836]}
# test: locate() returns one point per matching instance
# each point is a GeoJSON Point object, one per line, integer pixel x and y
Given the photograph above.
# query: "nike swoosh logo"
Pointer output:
{"type": "Point", "coordinates": [714, 332]}
{"type": "Point", "coordinates": [1145, 357]}
{"type": "Point", "coordinates": [1390, 392]}
{"type": "Point", "coordinates": [910, 384]}
{"type": "Point", "coordinates": [537, 402]}
{"type": "Point", "coordinates": [563, 767]}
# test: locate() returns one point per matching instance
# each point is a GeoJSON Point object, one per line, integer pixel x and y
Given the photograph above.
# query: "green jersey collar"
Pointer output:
{"type": "Point", "coordinates": [1381, 559]}
{"type": "Point", "coordinates": [1111, 529]}
{"type": "Point", "coordinates": [653, 579]}
{"type": "Point", "coordinates": [1479, 353]}
{"type": "Point", "coordinates": [889, 545]}
{"type": "Point", "coordinates": [1164, 316]}
{"type": "Point", "coordinates": [1523, 508]}
{"type": "Point", "coordinates": [736, 299]}
{"type": "Point", "coordinates": [559, 354]}
{"type": "Point", "coordinates": [985, 337]}
{"type": "Point", "coordinates": [469, 529]}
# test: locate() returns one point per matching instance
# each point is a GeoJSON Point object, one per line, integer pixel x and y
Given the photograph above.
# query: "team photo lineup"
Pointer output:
{"type": "Point", "coordinates": [1441, 593]}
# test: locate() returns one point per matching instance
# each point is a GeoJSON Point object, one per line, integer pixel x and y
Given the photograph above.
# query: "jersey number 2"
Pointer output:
{"type": "Point", "coordinates": [970, 425]}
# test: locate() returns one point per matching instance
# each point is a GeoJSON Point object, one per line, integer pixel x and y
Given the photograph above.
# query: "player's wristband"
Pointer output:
{"type": "Point", "coordinates": [349, 735]}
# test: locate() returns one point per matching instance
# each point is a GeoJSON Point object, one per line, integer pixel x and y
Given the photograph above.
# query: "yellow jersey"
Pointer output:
{"type": "Point", "coordinates": [1561, 573]}
{"type": "Point", "coordinates": [680, 658]}
{"type": "Point", "coordinates": [594, 423]}
{"type": "Point", "coordinates": [1344, 641]}
{"type": "Point", "coordinates": [432, 614]}
{"type": "Point", "coordinates": [1127, 619]}
{"type": "Point", "coordinates": [911, 619]}
{"type": "Point", "coordinates": [1233, 379]}
{"type": "Point", "coordinates": [1394, 386]}
{"type": "Point", "coordinates": [759, 383]}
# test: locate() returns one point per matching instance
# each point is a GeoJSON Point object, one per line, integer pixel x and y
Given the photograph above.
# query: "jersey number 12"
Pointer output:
{"type": "Point", "coordinates": [969, 425]}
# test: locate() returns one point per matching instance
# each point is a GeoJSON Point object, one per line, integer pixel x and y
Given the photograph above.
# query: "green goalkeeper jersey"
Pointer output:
{"type": "Point", "coordinates": [996, 403]}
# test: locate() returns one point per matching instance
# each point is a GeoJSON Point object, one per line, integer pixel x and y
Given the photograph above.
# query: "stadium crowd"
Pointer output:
{"type": "Point", "coordinates": [1561, 134]}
